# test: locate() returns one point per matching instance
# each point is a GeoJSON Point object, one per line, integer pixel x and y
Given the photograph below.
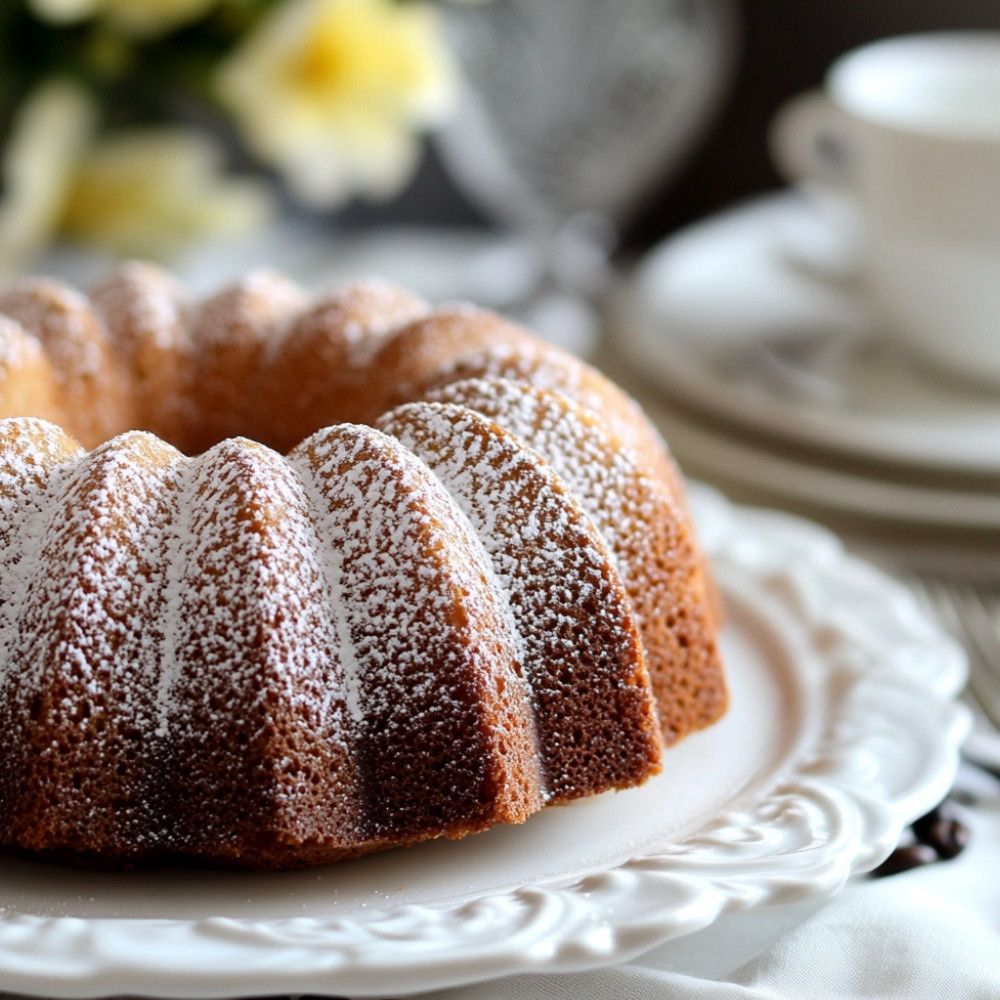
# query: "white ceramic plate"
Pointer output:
{"type": "Point", "coordinates": [842, 730]}
{"type": "Point", "coordinates": [738, 465]}
{"type": "Point", "coordinates": [754, 316]}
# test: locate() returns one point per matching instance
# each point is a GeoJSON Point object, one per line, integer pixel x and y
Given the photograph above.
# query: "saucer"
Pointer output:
{"type": "Point", "coordinates": [755, 317]}
{"type": "Point", "coordinates": [748, 468]}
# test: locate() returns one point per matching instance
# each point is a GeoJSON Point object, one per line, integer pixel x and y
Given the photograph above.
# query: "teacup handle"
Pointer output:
{"type": "Point", "coordinates": [809, 141]}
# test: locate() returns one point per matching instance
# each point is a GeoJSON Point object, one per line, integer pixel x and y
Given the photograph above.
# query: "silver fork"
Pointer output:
{"type": "Point", "coordinates": [970, 611]}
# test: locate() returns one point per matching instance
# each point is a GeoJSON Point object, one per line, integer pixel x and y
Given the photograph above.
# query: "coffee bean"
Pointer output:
{"type": "Point", "coordinates": [943, 811]}
{"type": "Point", "coordinates": [948, 837]}
{"type": "Point", "coordinates": [943, 830]}
{"type": "Point", "coordinates": [939, 835]}
{"type": "Point", "coordinates": [904, 858]}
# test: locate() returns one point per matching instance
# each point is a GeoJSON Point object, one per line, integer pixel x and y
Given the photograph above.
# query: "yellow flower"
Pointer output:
{"type": "Point", "coordinates": [52, 129]}
{"type": "Point", "coordinates": [149, 192]}
{"type": "Point", "coordinates": [332, 92]}
{"type": "Point", "coordinates": [142, 192]}
{"type": "Point", "coordinates": [138, 17]}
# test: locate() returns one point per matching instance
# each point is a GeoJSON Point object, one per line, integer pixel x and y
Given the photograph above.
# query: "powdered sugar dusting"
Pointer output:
{"type": "Point", "coordinates": [61, 318]}
{"type": "Point", "coordinates": [568, 607]}
{"type": "Point", "coordinates": [600, 472]}
{"type": "Point", "coordinates": [644, 525]}
{"type": "Point", "coordinates": [86, 612]}
{"type": "Point", "coordinates": [356, 318]}
{"type": "Point", "coordinates": [87, 642]}
{"type": "Point", "coordinates": [83, 366]}
{"type": "Point", "coordinates": [16, 347]}
{"type": "Point", "coordinates": [143, 308]}
{"type": "Point", "coordinates": [248, 602]}
{"type": "Point", "coordinates": [30, 452]}
{"type": "Point", "coordinates": [413, 586]}
{"type": "Point", "coordinates": [257, 308]}
{"type": "Point", "coordinates": [544, 366]}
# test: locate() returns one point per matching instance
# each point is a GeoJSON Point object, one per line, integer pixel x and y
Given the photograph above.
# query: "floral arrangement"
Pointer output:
{"type": "Point", "coordinates": [140, 125]}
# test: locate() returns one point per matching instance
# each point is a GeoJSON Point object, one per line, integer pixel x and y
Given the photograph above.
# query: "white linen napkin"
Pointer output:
{"type": "Point", "coordinates": [932, 932]}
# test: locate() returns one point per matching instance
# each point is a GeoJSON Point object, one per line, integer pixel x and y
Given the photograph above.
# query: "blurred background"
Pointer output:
{"type": "Point", "coordinates": [784, 47]}
{"type": "Point", "coordinates": [596, 168]}
{"type": "Point", "coordinates": [204, 68]}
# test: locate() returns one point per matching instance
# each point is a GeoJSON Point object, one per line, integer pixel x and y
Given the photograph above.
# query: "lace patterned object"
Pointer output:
{"type": "Point", "coordinates": [576, 107]}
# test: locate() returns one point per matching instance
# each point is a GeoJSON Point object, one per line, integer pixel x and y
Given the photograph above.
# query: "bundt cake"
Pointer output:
{"type": "Point", "coordinates": [336, 574]}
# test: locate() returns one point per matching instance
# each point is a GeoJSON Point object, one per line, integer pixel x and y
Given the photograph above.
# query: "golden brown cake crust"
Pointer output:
{"type": "Point", "coordinates": [91, 382]}
{"type": "Point", "coordinates": [644, 523]}
{"type": "Point", "coordinates": [582, 650]}
{"type": "Point", "coordinates": [446, 576]}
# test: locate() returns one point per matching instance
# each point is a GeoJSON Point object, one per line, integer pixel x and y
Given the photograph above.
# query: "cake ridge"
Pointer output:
{"type": "Point", "coordinates": [15, 346]}
{"type": "Point", "coordinates": [85, 656]}
{"type": "Point", "coordinates": [579, 638]}
{"type": "Point", "coordinates": [424, 518]}
{"type": "Point", "coordinates": [640, 516]}
{"type": "Point", "coordinates": [30, 450]}
{"type": "Point", "coordinates": [267, 654]}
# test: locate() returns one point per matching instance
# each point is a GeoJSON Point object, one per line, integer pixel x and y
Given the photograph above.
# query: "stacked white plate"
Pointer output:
{"type": "Point", "coordinates": [751, 344]}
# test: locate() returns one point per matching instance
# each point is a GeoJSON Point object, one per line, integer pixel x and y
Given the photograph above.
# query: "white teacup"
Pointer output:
{"type": "Point", "coordinates": [910, 127]}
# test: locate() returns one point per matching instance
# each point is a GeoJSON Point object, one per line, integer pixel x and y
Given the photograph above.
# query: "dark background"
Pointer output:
{"type": "Point", "coordinates": [786, 47]}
